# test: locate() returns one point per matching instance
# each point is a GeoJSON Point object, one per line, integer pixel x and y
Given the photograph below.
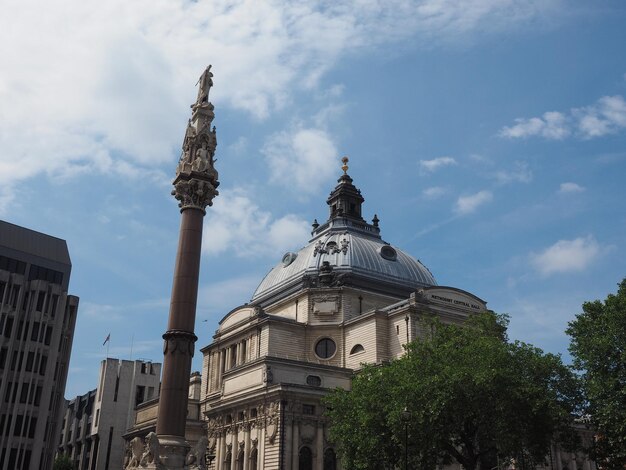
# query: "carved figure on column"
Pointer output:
{"type": "Point", "coordinates": [206, 82]}
{"type": "Point", "coordinates": [151, 451]}
{"type": "Point", "coordinates": [195, 457]}
{"type": "Point", "coordinates": [136, 449]}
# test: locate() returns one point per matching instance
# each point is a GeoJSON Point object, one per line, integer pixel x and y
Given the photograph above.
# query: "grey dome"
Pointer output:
{"type": "Point", "coordinates": [345, 250]}
{"type": "Point", "coordinates": [367, 258]}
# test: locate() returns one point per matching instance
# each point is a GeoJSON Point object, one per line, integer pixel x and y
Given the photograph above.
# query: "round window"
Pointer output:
{"type": "Point", "coordinates": [388, 252]}
{"type": "Point", "coordinates": [288, 258]}
{"type": "Point", "coordinates": [325, 348]}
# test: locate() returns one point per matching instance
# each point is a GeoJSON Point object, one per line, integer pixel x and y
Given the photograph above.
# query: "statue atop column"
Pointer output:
{"type": "Point", "coordinates": [196, 177]}
{"type": "Point", "coordinates": [206, 82]}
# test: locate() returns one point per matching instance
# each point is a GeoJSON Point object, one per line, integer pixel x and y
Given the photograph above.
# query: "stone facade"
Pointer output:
{"type": "Point", "coordinates": [345, 299]}
{"type": "Point", "coordinates": [37, 320]}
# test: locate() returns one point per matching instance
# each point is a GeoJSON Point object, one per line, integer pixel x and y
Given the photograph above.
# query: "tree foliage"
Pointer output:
{"type": "Point", "coordinates": [472, 396]}
{"type": "Point", "coordinates": [63, 462]}
{"type": "Point", "coordinates": [598, 346]}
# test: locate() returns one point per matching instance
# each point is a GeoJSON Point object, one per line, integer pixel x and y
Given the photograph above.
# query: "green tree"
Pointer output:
{"type": "Point", "coordinates": [598, 346]}
{"type": "Point", "coordinates": [472, 397]}
{"type": "Point", "coordinates": [63, 462]}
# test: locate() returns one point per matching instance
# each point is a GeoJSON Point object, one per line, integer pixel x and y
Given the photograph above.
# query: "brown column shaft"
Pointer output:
{"type": "Point", "coordinates": [180, 338]}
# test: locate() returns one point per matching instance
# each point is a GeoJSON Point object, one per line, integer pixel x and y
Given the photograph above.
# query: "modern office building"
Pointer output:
{"type": "Point", "coordinates": [37, 319]}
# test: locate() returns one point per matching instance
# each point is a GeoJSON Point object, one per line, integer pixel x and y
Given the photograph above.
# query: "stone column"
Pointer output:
{"type": "Point", "coordinates": [195, 186]}
{"type": "Point", "coordinates": [246, 447]}
{"type": "Point", "coordinates": [295, 458]}
{"type": "Point", "coordinates": [319, 460]}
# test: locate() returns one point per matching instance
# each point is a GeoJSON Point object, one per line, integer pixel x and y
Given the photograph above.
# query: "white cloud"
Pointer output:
{"type": "Point", "coordinates": [301, 160]}
{"type": "Point", "coordinates": [434, 192]}
{"type": "Point", "coordinates": [90, 87]}
{"type": "Point", "coordinates": [605, 116]}
{"type": "Point", "coordinates": [436, 163]}
{"type": "Point", "coordinates": [566, 256]}
{"type": "Point", "coordinates": [552, 125]}
{"type": "Point", "coordinates": [468, 204]}
{"type": "Point", "coordinates": [520, 174]}
{"type": "Point", "coordinates": [236, 224]}
{"type": "Point", "coordinates": [570, 188]}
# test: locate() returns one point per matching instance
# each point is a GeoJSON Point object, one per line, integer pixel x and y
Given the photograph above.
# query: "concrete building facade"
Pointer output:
{"type": "Point", "coordinates": [94, 423]}
{"type": "Point", "coordinates": [37, 320]}
{"type": "Point", "coordinates": [76, 440]}
{"type": "Point", "coordinates": [123, 385]}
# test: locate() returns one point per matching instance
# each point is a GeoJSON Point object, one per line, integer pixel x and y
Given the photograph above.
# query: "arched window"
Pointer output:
{"type": "Point", "coordinates": [357, 348]}
{"type": "Point", "coordinates": [330, 460]}
{"type": "Point", "coordinates": [305, 460]}
{"type": "Point", "coordinates": [254, 457]}
{"type": "Point", "coordinates": [240, 459]}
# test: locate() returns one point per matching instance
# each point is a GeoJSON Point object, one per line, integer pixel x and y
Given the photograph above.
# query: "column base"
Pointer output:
{"type": "Point", "coordinates": [172, 453]}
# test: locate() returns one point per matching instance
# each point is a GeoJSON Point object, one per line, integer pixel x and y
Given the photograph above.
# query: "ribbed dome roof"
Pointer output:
{"type": "Point", "coordinates": [346, 245]}
{"type": "Point", "coordinates": [366, 257]}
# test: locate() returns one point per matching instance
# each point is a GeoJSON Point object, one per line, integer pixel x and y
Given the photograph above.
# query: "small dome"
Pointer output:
{"type": "Point", "coordinates": [366, 257]}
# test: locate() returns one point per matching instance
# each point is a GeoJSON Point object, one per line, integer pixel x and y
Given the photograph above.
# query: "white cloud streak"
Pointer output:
{"type": "Point", "coordinates": [566, 256]}
{"type": "Point", "coordinates": [429, 166]}
{"type": "Point", "coordinates": [570, 187]}
{"type": "Point", "coordinates": [469, 204]}
{"type": "Point", "coordinates": [605, 116]}
{"type": "Point", "coordinates": [434, 192]}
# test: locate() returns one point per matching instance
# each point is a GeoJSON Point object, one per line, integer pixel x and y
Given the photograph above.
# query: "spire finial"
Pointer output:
{"type": "Point", "coordinates": [344, 167]}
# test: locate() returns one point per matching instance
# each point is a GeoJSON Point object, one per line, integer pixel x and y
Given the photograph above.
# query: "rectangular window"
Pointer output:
{"type": "Point", "coordinates": [25, 302]}
{"type": "Point", "coordinates": [3, 357]}
{"type": "Point", "coordinates": [42, 366]}
{"type": "Point", "coordinates": [143, 367]}
{"type": "Point", "coordinates": [8, 327]}
{"type": "Point", "coordinates": [40, 298]}
{"type": "Point", "coordinates": [308, 409]}
{"type": "Point", "coordinates": [15, 293]}
{"type": "Point", "coordinates": [13, 458]}
{"type": "Point", "coordinates": [48, 335]}
{"type": "Point", "coordinates": [32, 428]}
{"type": "Point", "coordinates": [55, 301]}
{"type": "Point", "coordinates": [3, 286]}
{"type": "Point", "coordinates": [20, 329]}
{"type": "Point", "coordinates": [117, 387]}
{"type": "Point", "coordinates": [17, 430]}
{"type": "Point", "coordinates": [26, 464]}
{"type": "Point", "coordinates": [14, 360]}
{"type": "Point", "coordinates": [38, 395]}
{"type": "Point", "coordinates": [30, 358]}
{"type": "Point", "coordinates": [139, 395]}
{"type": "Point", "coordinates": [24, 392]}
{"type": "Point", "coordinates": [34, 334]}
{"type": "Point", "coordinates": [97, 417]}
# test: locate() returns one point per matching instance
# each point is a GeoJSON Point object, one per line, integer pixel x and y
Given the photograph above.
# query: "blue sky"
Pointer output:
{"type": "Point", "coordinates": [488, 135]}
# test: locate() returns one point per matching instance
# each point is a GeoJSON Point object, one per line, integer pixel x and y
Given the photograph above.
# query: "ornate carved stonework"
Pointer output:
{"type": "Point", "coordinates": [179, 342]}
{"type": "Point", "coordinates": [196, 180]}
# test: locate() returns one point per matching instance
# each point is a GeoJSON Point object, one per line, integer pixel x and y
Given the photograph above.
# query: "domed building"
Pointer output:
{"type": "Point", "coordinates": [347, 298]}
